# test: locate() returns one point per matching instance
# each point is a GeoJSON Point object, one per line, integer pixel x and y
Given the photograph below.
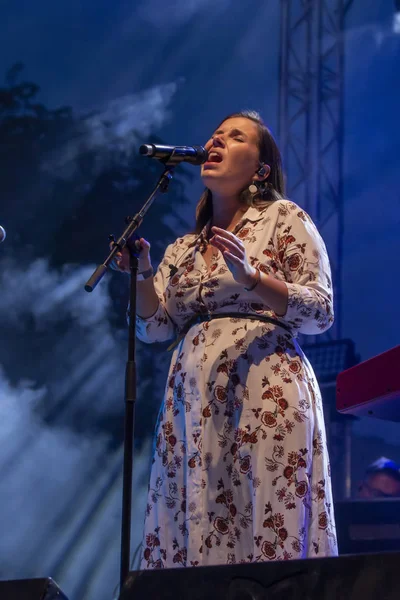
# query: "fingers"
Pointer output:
{"type": "Point", "coordinates": [232, 258]}
{"type": "Point", "coordinates": [121, 259]}
{"type": "Point", "coordinates": [141, 244]}
{"type": "Point", "coordinates": [144, 244]}
{"type": "Point", "coordinates": [233, 251]}
{"type": "Point", "coordinates": [226, 244]}
{"type": "Point", "coordinates": [228, 235]}
{"type": "Point", "coordinates": [120, 263]}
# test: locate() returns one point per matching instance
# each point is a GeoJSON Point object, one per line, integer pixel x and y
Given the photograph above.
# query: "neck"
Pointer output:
{"type": "Point", "coordinates": [227, 210]}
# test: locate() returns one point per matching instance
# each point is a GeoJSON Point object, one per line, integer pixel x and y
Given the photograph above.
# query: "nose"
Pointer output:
{"type": "Point", "coordinates": [218, 142]}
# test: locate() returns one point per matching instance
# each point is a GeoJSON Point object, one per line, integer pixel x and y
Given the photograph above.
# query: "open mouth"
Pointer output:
{"type": "Point", "coordinates": [214, 157]}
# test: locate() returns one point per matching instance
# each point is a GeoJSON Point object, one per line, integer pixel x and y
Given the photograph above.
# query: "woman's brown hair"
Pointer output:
{"type": "Point", "coordinates": [274, 188]}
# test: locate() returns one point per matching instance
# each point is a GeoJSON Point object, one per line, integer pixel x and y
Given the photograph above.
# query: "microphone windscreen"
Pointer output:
{"type": "Point", "coordinates": [201, 155]}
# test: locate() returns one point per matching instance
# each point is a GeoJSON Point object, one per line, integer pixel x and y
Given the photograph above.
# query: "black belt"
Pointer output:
{"type": "Point", "coordinates": [201, 318]}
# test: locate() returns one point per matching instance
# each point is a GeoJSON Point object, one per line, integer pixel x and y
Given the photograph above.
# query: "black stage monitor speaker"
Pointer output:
{"type": "Point", "coordinates": [368, 525]}
{"type": "Point", "coordinates": [363, 577]}
{"type": "Point", "coordinates": [31, 589]}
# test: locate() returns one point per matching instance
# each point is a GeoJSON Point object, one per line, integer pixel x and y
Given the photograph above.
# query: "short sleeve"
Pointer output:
{"type": "Point", "coordinates": [159, 327]}
{"type": "Point", "coordinates": [307, 271]}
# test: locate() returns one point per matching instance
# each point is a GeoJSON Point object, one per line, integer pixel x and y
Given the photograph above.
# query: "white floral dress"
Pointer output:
{"type": "Point", "coordinates": [240, 471]}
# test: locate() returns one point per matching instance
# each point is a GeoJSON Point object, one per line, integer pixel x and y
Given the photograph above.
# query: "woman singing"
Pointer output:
{"type": "Point", "coordinates": [240, 471]}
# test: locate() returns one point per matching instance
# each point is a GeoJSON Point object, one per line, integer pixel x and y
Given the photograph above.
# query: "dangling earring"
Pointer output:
{"type": "Point", "coordinates": [253, 189]}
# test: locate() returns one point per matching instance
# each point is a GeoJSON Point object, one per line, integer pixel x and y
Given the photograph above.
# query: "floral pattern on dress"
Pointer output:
{"type": "Point", "coordinates": [240, 469]}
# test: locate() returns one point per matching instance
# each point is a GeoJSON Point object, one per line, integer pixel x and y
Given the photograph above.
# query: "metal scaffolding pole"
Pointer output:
{"type": "Point", "coordinates": [295, 101]}
{"type": "Point", "coordinates": [311, 119]}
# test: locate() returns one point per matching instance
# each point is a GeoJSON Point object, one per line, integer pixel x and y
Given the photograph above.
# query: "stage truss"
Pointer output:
{"type": "Point", "coordinates": [311, 119]}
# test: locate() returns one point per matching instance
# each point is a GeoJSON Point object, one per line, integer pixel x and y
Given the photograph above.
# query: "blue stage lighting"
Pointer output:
{"type": "Point", "coordinates": [396, 17]}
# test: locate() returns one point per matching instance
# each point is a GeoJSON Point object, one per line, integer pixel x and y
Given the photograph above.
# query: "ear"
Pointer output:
{"type": "Point", "coordinates": [263, 172]}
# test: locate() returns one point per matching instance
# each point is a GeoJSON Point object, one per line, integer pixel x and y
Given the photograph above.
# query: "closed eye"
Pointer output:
{"type": "Point", "coordinates": [238, 135]}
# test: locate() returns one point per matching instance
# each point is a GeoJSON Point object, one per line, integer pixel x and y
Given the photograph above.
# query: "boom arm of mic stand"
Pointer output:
{"type": "Point", "coordinates": [130, 371]}
{"type": "Point", "coordinates": [135, 222]}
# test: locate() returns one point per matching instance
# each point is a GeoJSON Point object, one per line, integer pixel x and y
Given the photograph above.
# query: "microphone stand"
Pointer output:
{"type": "Point", "coordinates": [127, 239]}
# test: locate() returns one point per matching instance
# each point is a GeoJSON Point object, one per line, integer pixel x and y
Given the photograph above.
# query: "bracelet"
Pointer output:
{"type": "Point", "coordinates": [257, 281]}
{"type": "Point", "coordinates": [145, 274]}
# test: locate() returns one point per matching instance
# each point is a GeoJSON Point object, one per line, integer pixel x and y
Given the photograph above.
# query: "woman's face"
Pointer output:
{"type": "Point", "coordinates": [233, 157]}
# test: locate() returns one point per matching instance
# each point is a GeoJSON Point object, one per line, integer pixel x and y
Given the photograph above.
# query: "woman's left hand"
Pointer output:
{"type": "Point", "coordinates": [234, 253]}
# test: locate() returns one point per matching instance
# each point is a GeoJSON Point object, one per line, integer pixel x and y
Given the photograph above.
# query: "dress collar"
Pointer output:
{"type": "Point", "coordinates": [252, 215]}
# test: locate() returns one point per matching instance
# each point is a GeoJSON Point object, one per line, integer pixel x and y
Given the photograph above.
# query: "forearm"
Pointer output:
{"type": "Point", "coordinates": [153, 324]}
{"type": "Point", "coordinates": [146, 298]}
{"type": "Point", "coordinates": [272, 291]}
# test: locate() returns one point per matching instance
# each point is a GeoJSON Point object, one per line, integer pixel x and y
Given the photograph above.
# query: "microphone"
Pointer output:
{"type": "Point", "coordinates": [171, 155]}
{"type": "Point", "coordinates": [2, 234]}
